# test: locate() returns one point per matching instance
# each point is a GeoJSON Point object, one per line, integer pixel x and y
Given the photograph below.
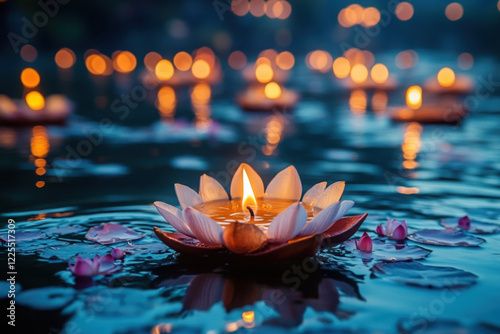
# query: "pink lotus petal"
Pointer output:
{"type": "Point", "coordinates": [322, 221]}
{"type": "Point", "coordinates": [287, 224]}
{"type": "Point", "coordinates": [399, 233]}
{"type": "Point", "coordinates": [380, 230]}
{"type": "Point", "coordinates": [365, 243]}
{"type": "Point", "coordinates": [390, 226]}
{"type": "Point", "coordinates": [255, 182]}
{"type": "Point", "coordinates": [312, 195]}
{"type": "Point", "coordinates": [117, 254]}
{"type": "Point", "coordinates": [82, 268]}
{"type": "Point", "coordinates": [109, 233]}
{"type": "Point", "coordinates": [285, 185]}
{"type": "Point", "coordinates": [211, 189]}
{"type": "Point", "coordinates": [171, 215]}
{"type": "Point", "coordinates": [204, 228]}
{"type": "Point", "coordinates": [107, 265]}
{"type": "Point", "coordinates": [187, 197]}
{"type": "Point", "coordinates": [464, 223]}
{"type": "Point", "coordinates": [331, 195]}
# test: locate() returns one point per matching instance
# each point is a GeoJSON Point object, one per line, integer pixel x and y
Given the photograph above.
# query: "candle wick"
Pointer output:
{"type": "Point", "coordinates": [252, 214]}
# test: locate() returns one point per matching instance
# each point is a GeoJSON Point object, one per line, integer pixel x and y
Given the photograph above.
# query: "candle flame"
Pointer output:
{"type": "Point", "coordinates": [248, 195]}
{"type": "Point", "coordinates": [414, 97]}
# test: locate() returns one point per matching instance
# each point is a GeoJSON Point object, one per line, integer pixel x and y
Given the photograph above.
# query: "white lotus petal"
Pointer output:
{"type": "Point", "coordinates": [255, 182]}
{"type": "Point", "coordinates": [187, 197]}
{"type": "Point", "coordinates": [285, 185]}
{"type": "Point", "coordinates": [345, 206]}
{"type": "Point", "coordinates": [322, 221]}
{"type": "Point", "coordinates": [174, 217]}
{"type": "Point", "coordinates": [331, 195]}
{"type": "Point", "coordinates": [312, 195]}
{"type": "Point", "coordinates": [288, 223]}
{"type": "Point", "coordinates": [204, 228]}
{"type": "Point", "coordinates": [211, 189]}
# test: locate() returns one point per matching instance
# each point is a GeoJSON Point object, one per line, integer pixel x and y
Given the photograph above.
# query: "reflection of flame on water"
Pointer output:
{"type": "Point", "coordinates": [358, 101]}
{"type": "Point", "coordinates": [200, 100]}
{"type": "Point", "coordinates": [40, 147]}
{"type": "Point", "coordinates": [379, 101]}
{"type": "Point", "coordinates": [273, 132]}
{"type": "Point", "coordinates": [411, 145]}
{"type": "Point", "coordinates": [166, 102]}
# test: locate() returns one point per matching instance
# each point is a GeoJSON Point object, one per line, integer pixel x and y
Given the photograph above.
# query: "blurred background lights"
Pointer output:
{"type": "Point", "coordinates": [65, 58]}
{"type": "Point", "coordinates": [200, 69]}
{"type": "Point", "coordinates": [151, 59]}
{"type": "Point", "coordinates": [341, 67]}
{"type": "Point", "coordinates": [465, 61]}
{"type": "Point", "coordinates": [237, 60]}
{"type": "Point", "coordinates": [272, 90]}
{"type": "Point", "coordinates": [285, 60]}
{"type": "Point", "coordinates": [446, 77]}
{"type": "Point", "coordinates": [404, 11]}
{"type": "Point", "coordinates": [164, 70]}
{"type": "Point", "coordinates": [379, 73]}
{"type": "Point", "coordinates": [35, 100]}
{"type": "Point", "coordinates": [414, 97]}
{"type": "Point", "coordinates": [124, 62]}
{"type": "Point", "coordinates": [30, 78]}
{"type": "Point", "coordinates": [264, 73]}
{"type": "Point", "coordinates": [454, 11]}
{"type": "Point", "coordinates": [359, 73]}
{"type": "Point", "coordinates": [183, 61]}
{"type": "Point", "coordinates": [29, 53]}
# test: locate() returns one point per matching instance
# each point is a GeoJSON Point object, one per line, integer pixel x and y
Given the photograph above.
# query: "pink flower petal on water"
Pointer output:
{"type": "Point", "coordinates": [187, 197]}
{"type": "Point", "coordinates": [380, 230]}
{"type": "Point", "coordinates": [204, 228]}
{"type": "Point", "coordinates": [322, 221]}
{"type": "Point", "coordinates": [365, 243]}
{"type": "Point", "coordinates": [173, 216]}
{"type": "Point", "coordinates": [255, 182]}
{"type": "Point", "coordinates": [312, 195]}
{"type": "Point", "coordinates": [107, 264]}
{"type": "Point", "coordinates": [287, 224]}
{"type": "Point", "coordinates": [331, 195]}
{"type": "Point", "coordinates": [117, 254]}
{"type": "Point", "coordinates": [399, 233]}
{"type": "Point", "coordinates": [390, 226]}
{"type": "Point", "coordinates": [211, 189]}
{"type": "Point", "coordinates": [109, 233]}
{"type": "Point", "coordinates": [285, 185]}
{"type": "Point", "coordinates": [82, 268]}
{"type": "Point", "coordinates": [464, 223]}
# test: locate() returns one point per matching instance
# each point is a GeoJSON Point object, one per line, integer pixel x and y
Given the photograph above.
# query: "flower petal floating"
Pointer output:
{"type": "Point", "coordinates": [117, 254]}
{"type": "Point", "coordinates": [110, 233]}
{"type": "Point", "coordinates": [365, 243]}
{"type": "Point", "coordinates": [447, 237]}
{"type": "Point", "coordinates": [414, 273]}
{"type": "Point", "coordinates": [471, 226]}
{"type": "Point", "coordinates": [86, 267]}
{"type": "Point", "coordinates": [255, 221]}
{"type": "Point", "coordinates": [388, 251]}
{"type": "Point", "coordinates": [393, 229]}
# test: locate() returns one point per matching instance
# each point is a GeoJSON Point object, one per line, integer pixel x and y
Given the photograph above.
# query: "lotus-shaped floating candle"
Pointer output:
{"type": "Point", "coordinates": [86, 267]}
{"type": "Point", "coordinates": [393, 229]}
{"type": "Point", "coordinates": [270, 223]}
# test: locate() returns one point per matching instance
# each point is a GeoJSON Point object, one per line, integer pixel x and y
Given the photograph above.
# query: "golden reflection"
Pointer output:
{"type": "Point", "coordinates": [358, 101]}
{"type": "Point", "coordinates": [200, 101]}
{"type": "Point", "coordinates": [414, 97]}
{"type": "Point", "coordinates": [166, 102]}
{"type": "Point", "coordinates": [379, 101]}
{"type": "Point", "coordinates": [40, 147]}
{"type": "Point", "coordinates": [273, 133]}
{"type": "Point", "coordinates": [408, 190]}
{"type": "Point", "coordinates": [411, 145]}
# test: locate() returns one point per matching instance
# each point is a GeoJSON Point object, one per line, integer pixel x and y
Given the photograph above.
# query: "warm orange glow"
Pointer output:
{"type": "Point", "coordinates": [341, 67]}
{"type": "Point", "coordinates": [30, 77]}
{"type": "Point", "coordinates": [98, 64]}
{"type": "Point", "coordinates": [151, 59]}
{"type": "Point", "coordinates": [272, 90]}
{"type": "Point", "coordinates": [40, 171]}
{"type": "Point", "coordinates": [124, 62]}
{"type": "Point", "coordinates": [183, 61]}
{"type": "Point", "coordinates": [465, 61]}
{"type": "Point", "coordinates": [446, 77]}
{"type": "Point", "coordinates": [414, 97]}
{"type": "Point", "coordinates": [248, 195]}
{"type": "Point", "coordinates": [404, 11]}
{"type": "Point", "coordinates": [40, 143]}
{"type": "Point", "coordinates": [200, 69]}
{"type": "Point", "coordinates": [35, 100]}
{"type": "Point", "coordinates": [262, 60]}
{"type": "Point", "coordinates": [40, 184]}
{"type": "Point", "coordinates": [285, 60]}
{"type": "Point", "coordinates": [379, 101]}
{"type": "Point", "coordinates": [282, 9]}
{"type": "Point", "coordinates": [407, 190]}
{"type": "Point", "coordinates": [164, 69]}
{"type": "Point", "coordinates": [411, 145]}
{"type": "Point", "coordinates": [166, 97]}
{"type": "Point", "coordinates": [371, 16]}
{"type": "Point", "coordinates": [358, 101]}
{"type": "Point", "coordinates": [65, 58]}
{"type": "Point", "coordinates": [264, 73]}
{"type": "Point", "coordinates": [29, 53]}
{"type": "Point", "coordinates": [201, 93]}
{"type": "Point", "coordinates": [240, 7]}
{"type": "Point", "coordinates": [237, 60]}
{"type": "Point", "coordinates": [454, 11]}
{"type": "Point", "coordinates": [319, 60]}
{"type": "Point", "coordinates": [353, 14]}
{"type": "Point", "coordinates": [359, 73]}
{"type": "Point", "coordinates": [248, 316]}
{"type": "Point", "coordinates": [257, 7]}
{"type": "Point", "coordinates": [406, 59]}
{"type": "Point", "coordinates": [273, 133]}
{"type": "Point", "coordinates": [40, 163]}
{"type": "Point", "coordinates": [379, 73]}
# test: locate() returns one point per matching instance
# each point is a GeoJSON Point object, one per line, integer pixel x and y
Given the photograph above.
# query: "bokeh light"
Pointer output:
{"type": "Point", "coordinates": [404, 11]}
{"type": "Point", "coordinates": [465, 61]}
{"type": "Point", "coordinates": [124, 62]}
{"type": "Point", "coordinates": [166, 97]}
{"type": "Point", "coordinates": [371, 17]}
{"type": "Point", "coordinates": [414, 97]}
{"type": "Point", "coordinates": [379, 73]}
{"type": "Point", "coordinates": [183, 61]}
{"type": "Point", "coordinates": [164, 70]}
{"type": "Point", "coordinates": [35, 100]}
{"type": "Point", "coordinates": [240, 7]}
{"type": "Point", "coordinates": [454, 11]}
{"type": "Point", "coordinates": [257, 7]}
{"type": "Point", "coordinates": [200, 69]}
{"type": "Point", "coordinates": [359, 73]}
{"type": "Point", "coordinates": [319, 60]}
{"type": "Point", "coordinates": [65, 58]}
{"type": "Point", "coordinates": [446, 77]}
{"type": "Point", "coordinates": [151, 59]}
{"type": "Point", "coordinates": [30, 78]}
{"type": "Point", "coordinates": [341, 67]}
{"type": "Point", "coordinates": [272, 90]}
{"type": "Point", "coordinates": [406, 59]}
{"type": "Point", "coordinates": [237, 60]}
{"type": "Point", "coordinates": [29, 53]}
{"type": "Point", "coordinates": [264, 73]}
{"type": "Point", "coordinates": [285, 60]}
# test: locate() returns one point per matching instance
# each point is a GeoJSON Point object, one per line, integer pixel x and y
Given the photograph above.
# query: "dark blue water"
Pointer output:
{"type": "Point", "coordinates": [405, 171]}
